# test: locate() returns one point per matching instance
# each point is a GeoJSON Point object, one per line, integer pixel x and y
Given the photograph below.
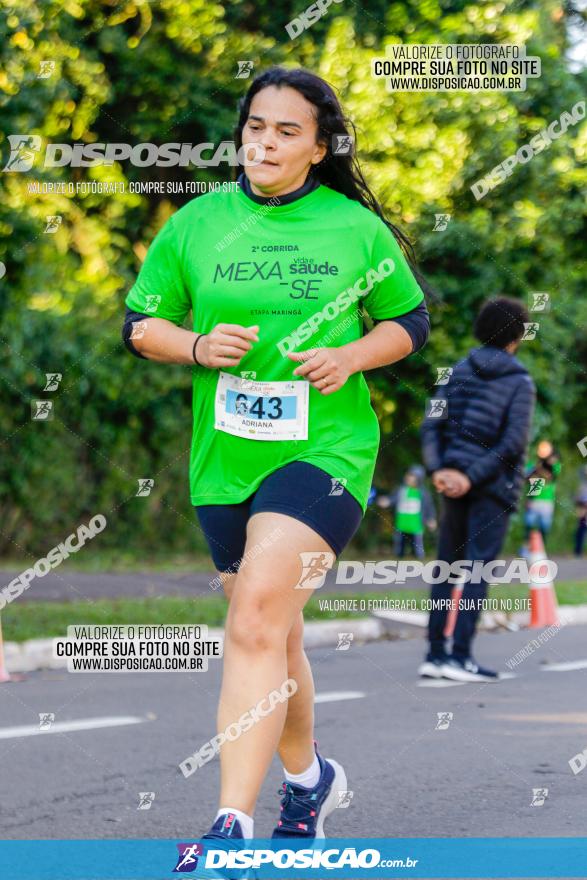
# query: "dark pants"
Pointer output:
{"type": "Point", "coordinates": [416, 542]}
{"type": "Point", "coordinates": [470, 528]}
{"type": "Point", "coordinates": [580, 535]}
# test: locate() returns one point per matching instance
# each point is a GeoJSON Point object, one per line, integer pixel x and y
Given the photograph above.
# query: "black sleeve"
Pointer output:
{"type": "Point", "coordinates": [432, 438]}
{"type": "Point", "coordinates": [129, 318]}
{"type": "Point", "coordinates": [416, 323]}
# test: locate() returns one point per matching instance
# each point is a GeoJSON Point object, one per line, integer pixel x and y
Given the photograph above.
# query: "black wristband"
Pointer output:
{"type": "Point", "coordinates": [197, 339]}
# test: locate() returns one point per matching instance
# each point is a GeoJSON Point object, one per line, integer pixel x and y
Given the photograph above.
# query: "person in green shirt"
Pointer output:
{"type": "Point", "coordinates": [413, 511]}
{"type": "Point", "coordinates": [542, 474]}
{"type": "Point", "coordinates": [278, 274]}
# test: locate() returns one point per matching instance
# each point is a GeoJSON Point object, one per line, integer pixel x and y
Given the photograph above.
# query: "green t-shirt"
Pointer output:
{"type": "Point", "coordinates": [408, 511]}
{"type": "Point", "coordinates": [548, 491]}
{"type": "Point", "coordinates": [231, 260]}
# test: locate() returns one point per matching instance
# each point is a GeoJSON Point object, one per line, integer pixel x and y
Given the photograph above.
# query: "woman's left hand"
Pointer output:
{"type": "Point", "coordinates": [326, 369]}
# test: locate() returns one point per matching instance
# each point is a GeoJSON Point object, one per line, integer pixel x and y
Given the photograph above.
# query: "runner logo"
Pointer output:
{"type": "Point", "coordinates": [344, 799]}
{"type": "Point", "coordinates": [53, 380]}
{"type": "Point", "coordinates": [145, 487]}
{"type": "Point", "coordinates": [187, 860]}
{"type": "Point", "coordinates": [46, 68]}
{"type": "Point", "coordinates": [444, 374]}
{"type": "Point", "coordinates": [248, 377]}
{"type": "Point", "coordinates": [338, 484]}
{"type": "Point", "coordinates": [245, 68]}
{"type": "Point", "coordinates": [539, 301]}
{"type": "Point", "coordinates": [53, 223]}
{"type": "Point", "coordinates": [539, 795]}
{"type": "Point", "coordinates": [444, 719]}
{"type": "Point", "coordinates": [46, 719]}
{"type": "Point", "coordinates": [23, 150]}
{"type": "Point", "coordinates": [153, 300]}
{"type": "Point", "coordinates": [146, 799]}
{"type": "Point", "coordinates": [437, 409]}
{"type": "Point", "coordinates": [138, 329]}
{"type": "Point", "coordinates": [344, 641]}
{"type": "Point", "coordinates": [441, 222]}
{"type": "Point", "coordinates": [530, 331]}
{"type": "Point", "coordinates": [342, 144]}
{"type": "Point", "coordinates": [41, 410]}
{"type": "Point", "coordinates": [536, 486]}
{"type": "Point", "coordinates": [314, 568]}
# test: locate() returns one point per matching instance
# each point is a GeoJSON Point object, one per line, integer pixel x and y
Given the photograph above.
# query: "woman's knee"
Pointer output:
{"type": "Point", "coordinates": [255, 623]}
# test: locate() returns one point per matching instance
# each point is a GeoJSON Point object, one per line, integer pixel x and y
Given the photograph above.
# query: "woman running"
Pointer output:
{"type": "Point", "coordinates": [277, 273]}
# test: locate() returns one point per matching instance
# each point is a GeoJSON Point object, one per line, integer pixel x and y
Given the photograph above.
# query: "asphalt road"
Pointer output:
{"type": "Point", "coordinates": [69, 586]}
{"type": "Point", "coordinates": [409, 779]}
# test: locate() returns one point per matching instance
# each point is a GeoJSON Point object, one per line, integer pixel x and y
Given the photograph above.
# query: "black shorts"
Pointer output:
{"type": "Point", "coordinates": [298, 489]}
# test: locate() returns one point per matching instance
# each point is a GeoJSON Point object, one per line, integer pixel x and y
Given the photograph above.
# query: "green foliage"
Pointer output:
{"type": "Point", "coordinates": [165, 71]}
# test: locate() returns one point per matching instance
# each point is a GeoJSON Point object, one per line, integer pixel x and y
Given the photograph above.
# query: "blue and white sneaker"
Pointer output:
{"type": "Point", "coordinates": [466, 669]}
{"type": "Point", "coordinates": [303, 810]}
{"type": "Point", "coordinates": [432, 667]}
{"type": "Point", "coordinates": [226, 827]}
{"type": "Point", "coordinates": [226, 833]}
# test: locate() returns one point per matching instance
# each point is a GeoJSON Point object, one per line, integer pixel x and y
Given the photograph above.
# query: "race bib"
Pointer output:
{"type": "Point", "coordinates": [261, 410]}
{"type": "Point", "coordinates": [409, 505]}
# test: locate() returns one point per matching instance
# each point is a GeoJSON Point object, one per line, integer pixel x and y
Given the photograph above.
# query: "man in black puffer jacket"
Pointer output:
{"type": "Point", "coordinates": [475, 455]}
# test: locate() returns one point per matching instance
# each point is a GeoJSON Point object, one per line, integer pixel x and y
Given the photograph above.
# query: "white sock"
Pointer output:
{"type": "Point", "coordinates": [246, 821]}
{"type": "Point", "coordinates": [308, 779]}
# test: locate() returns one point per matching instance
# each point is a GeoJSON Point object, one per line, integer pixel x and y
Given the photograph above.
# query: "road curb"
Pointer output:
{"type": "Point", "coordinates": [37, 654]}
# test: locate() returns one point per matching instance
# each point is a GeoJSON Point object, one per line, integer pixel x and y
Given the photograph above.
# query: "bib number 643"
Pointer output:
{"type": "Point", "coordinates": [274, 407]}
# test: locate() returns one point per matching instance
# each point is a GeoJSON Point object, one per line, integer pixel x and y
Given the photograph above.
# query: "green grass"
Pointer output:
{"type": "Point", "coordinates": [115, 562]}
{"type": "Point", "coordinates": [30, 620]}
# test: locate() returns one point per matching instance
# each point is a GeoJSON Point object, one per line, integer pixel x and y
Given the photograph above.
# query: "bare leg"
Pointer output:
{"type": "Point", "coordinates": [296, 746]}
{"type": "Point", "coordinates": [264, 608]}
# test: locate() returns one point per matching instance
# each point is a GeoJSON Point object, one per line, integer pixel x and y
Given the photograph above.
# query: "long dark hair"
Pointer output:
{"type": "Point", "coordinates": [340, 172]}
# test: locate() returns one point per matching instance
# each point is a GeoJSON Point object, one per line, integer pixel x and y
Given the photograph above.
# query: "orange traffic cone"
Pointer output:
{"type": "Point", "coordinates": [4, 674]}
{"type": "Point", "coordinates": [543, 604]}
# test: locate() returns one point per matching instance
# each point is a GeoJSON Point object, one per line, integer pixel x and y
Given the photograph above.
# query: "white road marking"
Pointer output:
{"type": "Point", "coordinates": [69, 726]}
{"type": "Point", "coordinates": [335, 696]}
{"type": "Point", "coordinates": [439, 683]}
{"type": "Point", "coordinates": [550, 718]}
{"type": "Point", "coordinates": [565, 667]}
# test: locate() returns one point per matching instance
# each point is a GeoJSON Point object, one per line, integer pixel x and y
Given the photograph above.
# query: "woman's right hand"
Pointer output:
{"type": "Point", "coordinates": [226, 345]}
